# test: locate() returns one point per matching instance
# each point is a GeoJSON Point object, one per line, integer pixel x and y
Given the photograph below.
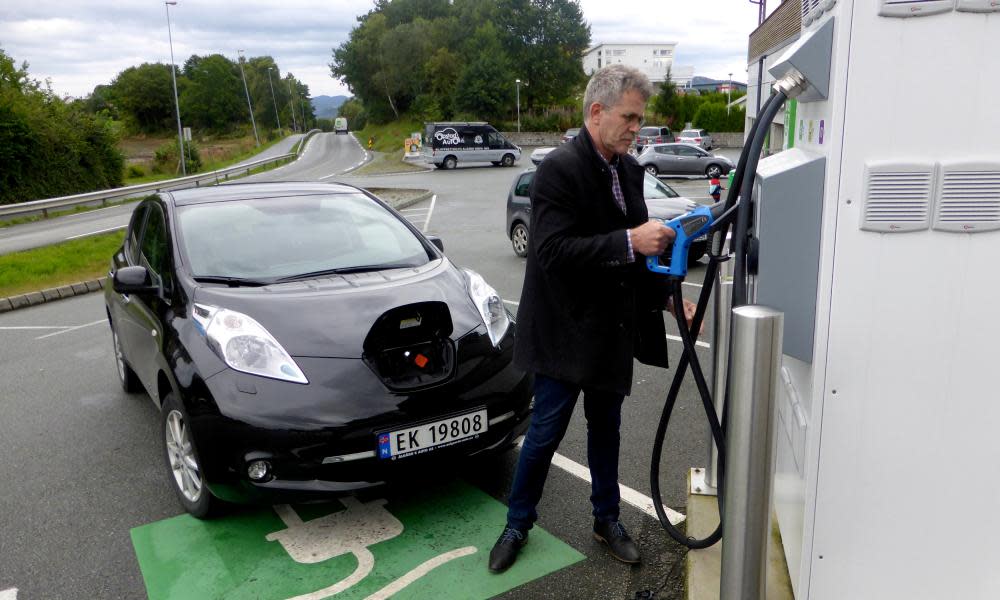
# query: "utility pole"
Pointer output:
{"type": "Point", "coordinates": [249, 105]}
{"type": "Point", "coordinates": [291, 106]}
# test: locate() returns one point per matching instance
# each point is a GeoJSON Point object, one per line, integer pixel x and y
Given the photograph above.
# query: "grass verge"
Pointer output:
{"type": "Point", "coordinates": [57, 265]}
{"type": "Point", "coordinates": [386, 163]}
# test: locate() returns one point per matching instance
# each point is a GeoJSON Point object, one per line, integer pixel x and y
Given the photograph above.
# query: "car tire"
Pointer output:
{"type": "Point", "coordinates": [126, 376]}
{"type": "Point", "coordinates": [519, 239]}
{"type": "Point", "coordinates": [713, 171]}
{"type": "Point", "coordinates": [184, 470]}
{"type": "Point", "coordinates": [652, 170]}
{"type": "Point", "coordinates": [507, 160]}
{"type": "Point", "coordinates": [449, 162]}
{"type": "Point", "coordinates": [495, 163]}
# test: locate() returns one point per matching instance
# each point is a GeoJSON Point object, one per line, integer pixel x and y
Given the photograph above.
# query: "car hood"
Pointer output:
{"type": "Point", "coordinates": [668, 208]}
{"type": "Point", "coordinates": [330, 317]}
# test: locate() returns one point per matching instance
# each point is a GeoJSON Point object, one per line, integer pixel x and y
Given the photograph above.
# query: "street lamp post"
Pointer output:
{"type": "Point", "coordinates": [173, 74]}
{"type": "Point", "coordinates": [291, 106]}
{"type": "Point", "coordinates": [517, 83]}
{"type": "Point", "coordinates": [249, 105]}
{"type": "Point", "coordinates": [274, 101]}
{"type": "Point", "coordinates": [729, 93]}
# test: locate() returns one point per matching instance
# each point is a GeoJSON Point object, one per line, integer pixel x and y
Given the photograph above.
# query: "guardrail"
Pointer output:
{"type": "Point", "coordinates": [90, 198]}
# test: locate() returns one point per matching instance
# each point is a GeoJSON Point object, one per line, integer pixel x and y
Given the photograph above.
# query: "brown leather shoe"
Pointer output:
{"type": "Point", "coordinates": [618, 541]}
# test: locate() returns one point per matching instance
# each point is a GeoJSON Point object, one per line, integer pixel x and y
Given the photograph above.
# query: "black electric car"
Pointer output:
{"type": "Point", "coordinates": [304, 338]}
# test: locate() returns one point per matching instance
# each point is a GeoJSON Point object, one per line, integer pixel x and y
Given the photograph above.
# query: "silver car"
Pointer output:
{"type": "Point", "coordinates": [683, 159]}
{"type": "Point", "coordinates": [698, 137]}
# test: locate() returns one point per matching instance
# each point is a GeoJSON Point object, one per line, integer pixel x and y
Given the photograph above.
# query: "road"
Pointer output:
{"type": "Point", "coordinates": [83, 468]}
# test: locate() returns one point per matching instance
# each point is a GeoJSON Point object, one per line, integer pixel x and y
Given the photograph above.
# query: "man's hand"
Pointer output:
{"type": "Point", "coordinates": [651, 238]}
{"type": "Point", "coordinates": [689, 309]}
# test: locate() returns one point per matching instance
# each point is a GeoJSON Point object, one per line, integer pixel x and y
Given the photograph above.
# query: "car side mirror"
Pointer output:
{"type": "Point", "coordinates": [133, 280]}
{"type": "Point", "coordinates": [437, 242]}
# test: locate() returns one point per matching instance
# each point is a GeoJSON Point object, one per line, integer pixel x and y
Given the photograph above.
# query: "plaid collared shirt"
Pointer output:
{"type": "Point", "coordinates": [616, 191]}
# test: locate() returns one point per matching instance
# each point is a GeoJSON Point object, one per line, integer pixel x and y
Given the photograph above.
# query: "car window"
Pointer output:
{"type": "Point", "coordinates": [665, 150]}
{"type": "Point", "coordinates": [264, 238]}
{"type": "Point", "coordinates": [689, 151]}
{"type": "Point", "coordinates": [654, 188]}
{"type": "Point", "coordinates": [649, 131]}
{"type": "Point", "coordinates": [690, 133]}
{"type": "Point", "coordinates": [134, 231]}
{"type": "Point", "coordinates": [155, 250]}
{"type": "Point", "coordinates": [523, 183]}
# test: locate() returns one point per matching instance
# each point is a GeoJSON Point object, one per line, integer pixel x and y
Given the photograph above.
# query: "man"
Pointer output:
{"type": "Point", "coordinates": [588, 305]}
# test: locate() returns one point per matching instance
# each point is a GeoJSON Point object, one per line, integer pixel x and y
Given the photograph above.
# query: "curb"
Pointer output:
{"type": "Point", "coordinates": [48, 295]}
{"type": "Point", "coordinates": [95, 285]}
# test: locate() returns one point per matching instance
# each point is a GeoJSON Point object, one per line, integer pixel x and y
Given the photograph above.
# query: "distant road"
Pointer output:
{"type": "Point", "coordinates": [325, 154]}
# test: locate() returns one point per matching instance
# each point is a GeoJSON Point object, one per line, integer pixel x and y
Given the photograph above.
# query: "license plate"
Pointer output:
{"type": "Point", "coordinates": [418, 439]}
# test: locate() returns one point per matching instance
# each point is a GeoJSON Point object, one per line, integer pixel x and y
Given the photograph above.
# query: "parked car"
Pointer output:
{"type": "Point", "coordinates": [570, 134]}
{"type": "Point", "coordinates": [540, 153]}
{"type": "Point", "coordinates": [304, 338]}
{"type": "Point", "coordinates": [683, 159]}
{"type": "Point", "coordinates": [698, 137]}
{"type": "Point", "coordinates": [662, 202]}
{"type": "Point", "coordinates": [450, 142]}
{"type": "Point", "coordinates": [652, 134]}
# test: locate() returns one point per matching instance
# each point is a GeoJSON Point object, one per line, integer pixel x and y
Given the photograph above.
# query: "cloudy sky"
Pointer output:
{"type": "Point", "coordinates": [77, 45]}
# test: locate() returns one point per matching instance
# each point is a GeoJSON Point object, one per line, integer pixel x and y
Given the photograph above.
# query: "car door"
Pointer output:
{"type": "Point", "coordinates": [690, 160]}
{"type": "Point", "coordinates": [147, 310]}
{"type": "Point", "coordinates": [126, 327]}
{"type": "Point", "coordinates": [666, 160]}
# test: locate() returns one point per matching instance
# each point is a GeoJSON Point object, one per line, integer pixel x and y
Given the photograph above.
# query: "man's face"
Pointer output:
{"type": "Point", "coordinates": [618, 125]}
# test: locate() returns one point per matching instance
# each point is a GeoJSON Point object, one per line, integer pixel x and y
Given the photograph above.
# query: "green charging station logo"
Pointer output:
{"type": "Point", "coordinates": [431, 544]}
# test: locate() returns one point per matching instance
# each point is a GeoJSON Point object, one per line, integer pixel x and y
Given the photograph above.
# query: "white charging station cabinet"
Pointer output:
{"type": "Point", "coordinates": [887, 482]}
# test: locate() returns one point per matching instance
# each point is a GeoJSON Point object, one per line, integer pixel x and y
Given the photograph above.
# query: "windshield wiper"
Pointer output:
{"type": "Point", "coordinates": [344, 271]}
{"type": "Point", "coordinates": [233, 281]}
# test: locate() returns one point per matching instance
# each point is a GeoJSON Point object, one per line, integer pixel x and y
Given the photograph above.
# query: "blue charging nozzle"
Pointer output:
{"type": "Point", "coordinates": [688, 228]}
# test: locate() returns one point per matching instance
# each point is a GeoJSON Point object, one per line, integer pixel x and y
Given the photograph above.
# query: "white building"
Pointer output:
{"type": "Point", "coordinates": [651, 59]}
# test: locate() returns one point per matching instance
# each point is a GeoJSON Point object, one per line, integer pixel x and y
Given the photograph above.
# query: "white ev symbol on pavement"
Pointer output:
{"type": "Point", "coordinates": [350, 531]}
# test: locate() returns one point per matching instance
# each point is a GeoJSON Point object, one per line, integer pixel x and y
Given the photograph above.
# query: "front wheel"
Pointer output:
{"type": "Point", "coordinates": [507, 160]}
{"type": "Point", "coordinates": [183, 465]}
{"type": "Point", "coordinates": [713, 171]}
{"type": "Point", "coordinates": [652, 170]}
{"type": "Point", "coordinates": [519, 239]}
{"type": "Point", "coordinates": [449, 162]}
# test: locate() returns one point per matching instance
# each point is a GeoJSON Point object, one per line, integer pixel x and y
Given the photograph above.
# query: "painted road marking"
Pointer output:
{"type": "Point", "coordinates": [420, 543]}
{"type": "Point", "coordinates": [430, 211]}
{"type": "Point", "coordinates": [10, 594]}
{"type": "Point", "coordinates": [73, 237]}
{"type": "Point", "coordinates": [68, 329]}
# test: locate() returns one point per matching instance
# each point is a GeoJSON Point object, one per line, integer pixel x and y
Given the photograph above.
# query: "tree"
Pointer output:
{"type": "Point", "coordinates": [214, 98]}
{"type": "Point", "coordinates": [484, 88]}
{"type": "Point", "coordinates": [665, 102]}
{"type": "Point", "coordinates": [145, 96]}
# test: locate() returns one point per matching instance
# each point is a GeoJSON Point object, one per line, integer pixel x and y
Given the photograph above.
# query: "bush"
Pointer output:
{"type": "Point", "coordinates": [713, 117]}
{"type": "Point", "coordinates": [165, 159]}
{"type": "Point", "coordinates": [134, 171]}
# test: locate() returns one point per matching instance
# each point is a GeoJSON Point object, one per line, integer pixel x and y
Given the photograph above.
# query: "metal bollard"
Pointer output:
{"type": "Point", "coordinates": [757, 334]}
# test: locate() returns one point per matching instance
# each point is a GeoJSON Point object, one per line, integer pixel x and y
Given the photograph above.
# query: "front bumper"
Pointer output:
{"type": "Point", "coordinates": [321, 437]}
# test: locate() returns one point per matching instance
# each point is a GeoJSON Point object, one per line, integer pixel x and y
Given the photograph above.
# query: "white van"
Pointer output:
{"type": "Point", "coordinates": [340, 125]}
{"type": "Point", "coordinates": [447, 143]}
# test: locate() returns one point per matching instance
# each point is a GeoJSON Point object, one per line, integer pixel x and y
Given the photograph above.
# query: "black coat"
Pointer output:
{"type": "Point", "coordinates": [585, 311]}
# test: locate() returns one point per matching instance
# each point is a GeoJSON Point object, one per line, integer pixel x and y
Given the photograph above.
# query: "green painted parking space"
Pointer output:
{"type": "Point", "coordinates": [432, 544]}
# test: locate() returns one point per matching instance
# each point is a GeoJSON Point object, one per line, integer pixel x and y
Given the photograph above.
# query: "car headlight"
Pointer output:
{"type": "Point", "coordinates": [489, 304]}
{"type": "Point", "coordinates": [245, 345]}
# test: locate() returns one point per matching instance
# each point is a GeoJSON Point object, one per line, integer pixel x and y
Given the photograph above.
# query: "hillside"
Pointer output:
{"type": "Point", "coordinates": [326, 106]}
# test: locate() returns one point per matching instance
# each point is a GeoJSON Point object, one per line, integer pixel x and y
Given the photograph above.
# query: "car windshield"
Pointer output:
{"type": "Point", "coordinates": [270, 239]}
{"type": "Point", "coordinates": [654, 188]}
{"type": "Point", "coordinates": [690, 133]}
{"type": "Point", "coordinates": [649, 131]}
{"type": "Point", "coordinates": [574, 131]}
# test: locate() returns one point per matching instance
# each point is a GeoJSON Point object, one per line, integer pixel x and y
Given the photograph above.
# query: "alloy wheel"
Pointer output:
{"type": "Point", "coordinates": [183, 462]}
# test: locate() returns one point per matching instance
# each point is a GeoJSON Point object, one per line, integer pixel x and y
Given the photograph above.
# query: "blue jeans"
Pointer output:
{"type": "Point", "coordinates": [554, 402]}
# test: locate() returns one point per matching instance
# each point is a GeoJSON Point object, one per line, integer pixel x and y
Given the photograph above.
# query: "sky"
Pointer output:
{"type": "Point", "coordinates": [77, 45]}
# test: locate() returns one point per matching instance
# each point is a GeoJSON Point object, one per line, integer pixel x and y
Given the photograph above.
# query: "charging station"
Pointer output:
{"type": "Point", "coordinates": [879, 230]}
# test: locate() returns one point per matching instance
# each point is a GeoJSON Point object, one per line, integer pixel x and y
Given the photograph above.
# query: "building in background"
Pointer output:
{"type": "Point", "coordinates": [781, 28]}
{"type": "Point", "coordinates": [652, 59]}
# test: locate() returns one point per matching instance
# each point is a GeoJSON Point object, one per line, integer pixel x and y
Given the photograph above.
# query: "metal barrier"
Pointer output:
{"type": "Point", "coordinates": [90, 198]}
{"type": "Point", "coordinates": [757, 337]}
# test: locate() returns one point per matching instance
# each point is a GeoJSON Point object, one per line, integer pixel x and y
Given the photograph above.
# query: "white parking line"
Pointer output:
{"type": "Point", "coordinates": [10, 594]}
{"type": "Point", "coordinates": [430, 211]}
{"type": "Point", "coordinates": [37, 327]}
{"type": "Point", "coordinates": [68, 329]}
{"type": "Point", "coordinates": [73, 237]}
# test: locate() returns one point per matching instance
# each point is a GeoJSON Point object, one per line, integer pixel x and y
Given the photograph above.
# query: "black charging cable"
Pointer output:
{"type": "Point", "coordinates": [741, 188]}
